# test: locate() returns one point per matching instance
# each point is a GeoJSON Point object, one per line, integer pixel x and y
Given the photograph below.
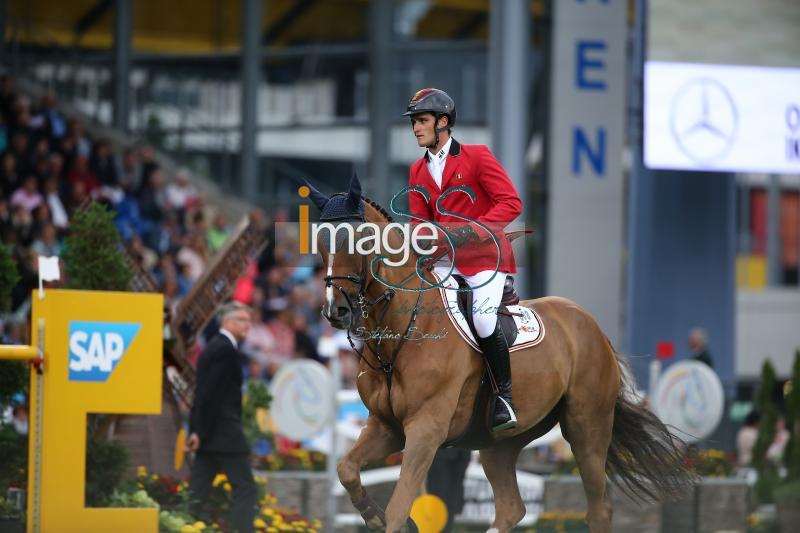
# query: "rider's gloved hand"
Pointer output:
{"type": "Point", "coordinates": [460, 236]}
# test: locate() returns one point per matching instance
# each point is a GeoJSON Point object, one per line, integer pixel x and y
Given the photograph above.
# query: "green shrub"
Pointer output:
{"type": "Point", "coordinates": [257, 396]}
{"type": "Point", "coordinates": [9, 276]}
{"type": "Point", "coordinates": [13, 458]}
{"type": "Point", "coordinates": [788, 492]}
{"type": "Point", "coordinates": [92, 257]}
{"type": "Point", "coordinates": [792, 454]}
{"type": "Point", "coordinates": [106, 462]}
{"type": "Point", "coordinates": [13, 379]}
{"type": "Point", "coordinates": [767, 470]}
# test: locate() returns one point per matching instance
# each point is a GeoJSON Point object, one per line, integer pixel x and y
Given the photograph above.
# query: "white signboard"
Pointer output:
{"type": "Point", "coordinates": [689, 397]}
{"type": "Point", "coordinates": [301, 399]}
{"type": "Point", "coordinates": [587, 126]}
{"type": "Point", "coordinates": [722, 118]}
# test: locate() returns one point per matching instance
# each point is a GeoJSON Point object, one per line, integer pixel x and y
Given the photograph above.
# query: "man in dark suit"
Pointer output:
{"type": "Point", "coordinates": [215, 424]}
{"type": "Point", "coordinates": [698, 344]}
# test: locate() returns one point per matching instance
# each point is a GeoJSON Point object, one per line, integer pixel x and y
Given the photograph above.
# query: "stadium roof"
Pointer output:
{"type": "Point", "coordinates": [208, 26]}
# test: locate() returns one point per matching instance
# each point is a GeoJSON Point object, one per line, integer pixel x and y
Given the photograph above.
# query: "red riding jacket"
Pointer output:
{"type": "Point", "coordinates": [496, 203]}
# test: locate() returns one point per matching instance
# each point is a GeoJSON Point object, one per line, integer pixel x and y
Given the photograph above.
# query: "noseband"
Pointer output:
{"type": "Point", "coordinates": [365, 304]}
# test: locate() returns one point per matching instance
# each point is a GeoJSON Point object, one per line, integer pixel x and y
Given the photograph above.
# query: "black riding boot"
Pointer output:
{"type": "Point", "coordinates": [495, 349]}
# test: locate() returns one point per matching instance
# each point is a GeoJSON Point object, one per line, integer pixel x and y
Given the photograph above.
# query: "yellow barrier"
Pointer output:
{"type": "Point", "coordinates": [19, 353]}
{"type": "Point", "coordinates": [93, 352]}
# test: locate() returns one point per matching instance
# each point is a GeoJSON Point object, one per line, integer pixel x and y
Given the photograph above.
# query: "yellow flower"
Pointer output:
{"type": "Point", "coordinates": [268, 512]}
{"type": "Point", "coordinates": [271, 529]}
{"type": "Point", "coordinates": [200, 526]}
{"type": "Point", "coordinates": [154, 477]}
{"type": "Point", "coordinates": [219, 479]}
{"type": "Point", "coordinates": [261, 481]}
{"type": "Point", "coordinates": [141, 471]}
{"type": "Point", "coordinates": [227, 487]}
{"type": "Point", "coordinates": [259, 523]}
{"type": "Point", "coordinates": [188, 528]}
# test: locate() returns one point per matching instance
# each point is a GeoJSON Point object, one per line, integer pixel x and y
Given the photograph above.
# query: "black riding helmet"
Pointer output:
{"type": "Point", "coordinates": [433, 101]}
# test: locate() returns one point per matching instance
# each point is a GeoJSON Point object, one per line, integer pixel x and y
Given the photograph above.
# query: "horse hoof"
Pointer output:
{"type": "Point", "coordinates": [376, 523]}
{"type": "Point", "coordinates": [410, 527]}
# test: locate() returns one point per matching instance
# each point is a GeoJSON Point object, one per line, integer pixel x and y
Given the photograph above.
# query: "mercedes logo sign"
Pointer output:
{"type": "Point", "coordinates": [703, 120]}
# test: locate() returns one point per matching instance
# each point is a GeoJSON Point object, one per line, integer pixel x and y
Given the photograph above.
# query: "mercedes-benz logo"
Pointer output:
{"type": "Point", "coordinates": [703, 120]}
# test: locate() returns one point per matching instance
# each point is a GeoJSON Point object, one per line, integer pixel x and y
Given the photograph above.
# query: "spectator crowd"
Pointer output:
{"type": "Point", "coordinates": [50, 167]}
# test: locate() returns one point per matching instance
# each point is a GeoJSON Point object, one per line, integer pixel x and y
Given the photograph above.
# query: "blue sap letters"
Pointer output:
{"type": "Point", "coordinates": [95, 348]}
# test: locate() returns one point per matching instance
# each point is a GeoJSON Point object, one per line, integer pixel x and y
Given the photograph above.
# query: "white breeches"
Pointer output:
{"type": "Point", "coordinates": [485, 299]}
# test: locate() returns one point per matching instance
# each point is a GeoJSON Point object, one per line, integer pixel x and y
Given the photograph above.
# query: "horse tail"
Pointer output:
{"type": "Point", "coordinates": [644, 458]}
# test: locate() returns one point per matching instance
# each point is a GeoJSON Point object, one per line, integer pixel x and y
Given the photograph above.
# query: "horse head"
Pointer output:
{"type": "Point", "coordinates": [345, 276]}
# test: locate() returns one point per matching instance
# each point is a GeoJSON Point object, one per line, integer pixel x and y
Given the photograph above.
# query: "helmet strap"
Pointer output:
{"type": "Point", "coordinates": [437, 131]}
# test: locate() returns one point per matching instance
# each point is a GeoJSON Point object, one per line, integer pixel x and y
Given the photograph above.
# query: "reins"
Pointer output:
{"type": "Point", "coordinates": [386, 365]}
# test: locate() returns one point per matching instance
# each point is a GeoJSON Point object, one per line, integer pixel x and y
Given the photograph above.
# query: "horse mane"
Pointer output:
{"type": "Point", "coordinates": [381, 211]}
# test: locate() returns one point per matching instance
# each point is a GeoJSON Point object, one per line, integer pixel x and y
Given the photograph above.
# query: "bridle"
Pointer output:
{"type": "Point", "coordinates": [362, 281]}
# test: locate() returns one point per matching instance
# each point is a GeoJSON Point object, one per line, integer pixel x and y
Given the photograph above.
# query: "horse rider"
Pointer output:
{"type": "Point", "coordinates": [448, 163]}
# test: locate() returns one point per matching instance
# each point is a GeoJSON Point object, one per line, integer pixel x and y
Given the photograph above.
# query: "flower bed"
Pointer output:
{"type": "Point", "coordinates": [710, 463]}
{"type": "Point", "coordinates": [561, 522]}
{"type": "Point", "coordinates": [293, 459]}
{"type": "Point", "coordinates": [172, 497]}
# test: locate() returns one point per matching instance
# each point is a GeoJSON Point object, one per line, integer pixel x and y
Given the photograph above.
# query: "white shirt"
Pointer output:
{"type": "Point", "coordinates": [437, 161]}
{"type": "Point", "coordinates": [230, 337]}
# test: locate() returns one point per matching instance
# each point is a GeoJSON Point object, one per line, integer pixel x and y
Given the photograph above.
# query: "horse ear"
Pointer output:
{"type": "Point", "coordinates": [355, 191]}
{"type": "Point", "coordinates": [317, 197]}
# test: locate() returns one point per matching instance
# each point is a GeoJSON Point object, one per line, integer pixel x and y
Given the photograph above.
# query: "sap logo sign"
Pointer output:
{"type": "Point", "coordinates": [95, 348]}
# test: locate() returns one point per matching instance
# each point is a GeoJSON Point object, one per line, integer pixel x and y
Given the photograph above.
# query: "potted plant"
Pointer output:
{"type": "Point", "coordinates": [767, 470]}
{"type": "Point", "coordinates": [93, 261]}
{"type": "Point", "coordinates": [787, 492]}
{"type": "Point", "coordinates": [92, 256]}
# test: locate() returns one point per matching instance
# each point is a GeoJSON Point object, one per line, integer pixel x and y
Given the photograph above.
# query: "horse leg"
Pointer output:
{"type": "Point", "coordinates": [499, 463]}
{"type": "Point", "coordinates": [588, 430]}
{"type": "Point", "coordinates": [423, 437]}
{"type": "Point", "coordinates": [375, 442]}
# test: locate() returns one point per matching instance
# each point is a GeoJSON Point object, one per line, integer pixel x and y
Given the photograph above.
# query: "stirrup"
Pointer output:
{"type": "Point", "coordinates": [512, 423]}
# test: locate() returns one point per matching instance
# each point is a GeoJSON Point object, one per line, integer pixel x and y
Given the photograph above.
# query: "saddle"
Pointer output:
{"type": "Point", "coordinates": [505, 318]}
{"type": "Point", "coordinates": [478, 434]}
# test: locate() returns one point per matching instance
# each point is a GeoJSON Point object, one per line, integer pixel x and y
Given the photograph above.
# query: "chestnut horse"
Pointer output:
{"type": "Point", "coordinates": [421, 392]}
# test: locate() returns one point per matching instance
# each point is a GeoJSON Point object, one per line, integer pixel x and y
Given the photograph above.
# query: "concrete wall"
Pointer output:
{"type": "Point", "coordinates": [767, 325]}
{"type": "Point", "coordinates": [715, 505]}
